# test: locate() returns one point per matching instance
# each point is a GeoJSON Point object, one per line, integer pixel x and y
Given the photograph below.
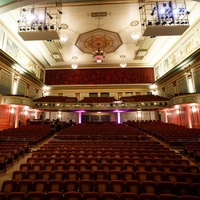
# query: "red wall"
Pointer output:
{"type": "Point", "coordinates": [99, 76]}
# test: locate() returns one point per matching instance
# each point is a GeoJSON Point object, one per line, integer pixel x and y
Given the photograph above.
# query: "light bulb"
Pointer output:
{"type": "Point", "coordinates": [123, 65]}
{"type": "Point", "coordinates": [63, 38]}
{"type": "Point", "coordinates": [135, 36]}
{"type": "Point", "coordinates": [74, 66]}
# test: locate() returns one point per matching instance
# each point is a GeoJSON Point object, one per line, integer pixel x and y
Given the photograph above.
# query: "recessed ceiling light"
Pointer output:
{"type": "Point", "coordinates": [63, 26]}
{"type": "Point", "coordinates": [134, 23]}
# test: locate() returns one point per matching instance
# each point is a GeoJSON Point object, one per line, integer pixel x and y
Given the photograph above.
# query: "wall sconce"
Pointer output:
{"type": "Point", "coordinates": [25, 112]}
{"type": "Point", "coordinates": [59, 114]}
{"type": "Point", "coordinates": [12, 110]}
{"type": "Point", "coordinates": [194, 109]}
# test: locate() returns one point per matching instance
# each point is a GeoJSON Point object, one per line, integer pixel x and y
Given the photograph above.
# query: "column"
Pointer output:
{"type": "Point", "coordinates": [79, 117]}
{"type": "Point", "coordinates": [118, 117]}
{"type": "Point", "coordinates": [188, 116]}
{"type": "Point", "coordinates": [36, 114]}
{"type": "Point", "coordinates": [17, 117]}
{"type": "Point", "coordinates": [165, 116]}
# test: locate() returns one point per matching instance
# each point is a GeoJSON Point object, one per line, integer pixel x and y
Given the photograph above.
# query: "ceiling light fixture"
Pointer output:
{"type": "Point", "coordinates": [123, 63]}
{"type": "Point", "coordinates": [74, 66]}
{"type": "Point", "coordinates": [63, 38]}
{"type": "Point", "coordinates": [99, 55]}
{"type": "Point", "coordinates": [135, 35]}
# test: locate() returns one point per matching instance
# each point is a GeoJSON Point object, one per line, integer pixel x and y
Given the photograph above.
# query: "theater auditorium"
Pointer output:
{"type": "Point", "coordinates": [99, 100]}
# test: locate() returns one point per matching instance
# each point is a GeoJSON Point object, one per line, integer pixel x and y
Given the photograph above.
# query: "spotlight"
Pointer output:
{"type": "Point", "coordinates": [152, 13]}
{"type": "Point", "coordinates": [49, 16]}
{"type": "Point", "coordinates": [52, 27]}
{"type": "Point", "coordinates": [60, 12]}
{"type": "Point", "coordinates": [157, 23]}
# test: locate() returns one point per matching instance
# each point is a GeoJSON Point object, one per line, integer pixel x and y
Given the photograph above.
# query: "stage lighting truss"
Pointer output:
{"type": "Point", "coordinates": [173, 15]}
{"type": "Point", "coordinates": [39, 19]}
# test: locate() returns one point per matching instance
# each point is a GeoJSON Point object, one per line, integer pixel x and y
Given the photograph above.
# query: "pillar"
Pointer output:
{"type": "Point", "coordinates": [165, 116]}
{"type": "Point", "coordinates": [118, 117]}
{"type": "Point", "coordinates": [79, 117]}
{"type": "Point", "coordinates": [17, 117]}
{"type": "Point", "coordinates": [188, 116]}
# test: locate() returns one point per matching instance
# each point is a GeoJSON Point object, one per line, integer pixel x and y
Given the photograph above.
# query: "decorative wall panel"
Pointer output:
{"type": "Point", "coordinates": [32, 93]}
{"type": "Point", "coordinates": [21, 88]}
{"type": "Point", "coordinates": [182, 86]}
{"type": "Point", "coordinates": [100, 76]}
{"type": "Point", "coordinates": [5, 84]}
{"type": "Point", "coordinates": [196, 76]}
{"type": "Point", "coordinates": [169, 91]}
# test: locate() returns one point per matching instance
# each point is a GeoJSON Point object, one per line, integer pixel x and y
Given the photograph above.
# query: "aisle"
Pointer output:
{"type": "Point", "coordinates": [8, 174]}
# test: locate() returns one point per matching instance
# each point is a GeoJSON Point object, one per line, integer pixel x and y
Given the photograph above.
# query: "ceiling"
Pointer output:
{"type": "Point", "coordinates": [89, 24]}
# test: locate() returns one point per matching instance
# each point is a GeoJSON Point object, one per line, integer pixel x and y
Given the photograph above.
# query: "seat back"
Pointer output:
{"type": "Point", "coordinates": [70, 185]}
{"type": "Point", "coordinates": [54, 195]}
{"type": "Point", "coordinates": [24, 186]}
{"type": "Point", "coordinates": [85, 185]}
{"type": "Point", "coordinates": [9, 186]}
{"type": "Point", "coordinates": [117, 186]}
{"type": "Point", "coordinates": [101, 186]}
{"type": "Point", "coordinates": [72, 196]}
{"type": "Point", "coordinates": [40, 185]}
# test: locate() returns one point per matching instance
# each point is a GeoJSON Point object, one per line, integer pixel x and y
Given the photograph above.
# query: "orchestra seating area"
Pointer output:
{"type": "Point", "coordinates": [104, 161]}
{"type": "Point", "coordinates": [101, 131]}
{"type": "Point", "coordinates": [172, 134]}
{"type": "Point", "coordinates": [14, 143]}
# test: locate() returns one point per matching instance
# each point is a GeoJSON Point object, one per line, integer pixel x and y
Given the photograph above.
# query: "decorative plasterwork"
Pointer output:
{"type": "Point", "coordinates": [108, 41]}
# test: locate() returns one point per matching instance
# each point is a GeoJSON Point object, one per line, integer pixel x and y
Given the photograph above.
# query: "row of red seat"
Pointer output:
{"type": "Point", "coordinates": [92, 195]}
{"type": "Point", "coordinates": [179, 168]}
{"type": "Point", "coordinates": [101, 186]}
{"type": "Point", "coordinates": [172, 134]}
{"type": "Point", "coordinates": [125, 175]}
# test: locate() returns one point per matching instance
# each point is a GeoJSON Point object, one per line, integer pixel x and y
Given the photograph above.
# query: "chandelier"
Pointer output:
{"type": "Point", "coordinates": [99, 55]}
